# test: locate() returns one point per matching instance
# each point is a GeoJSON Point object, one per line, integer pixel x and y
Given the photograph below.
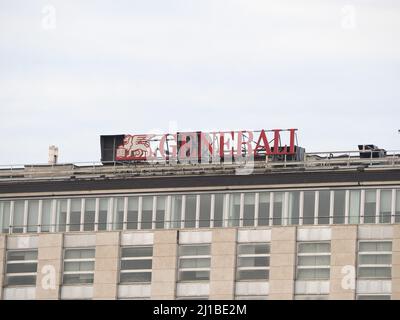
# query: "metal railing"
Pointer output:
{"type": "Point", "coordinates": [160, 167]}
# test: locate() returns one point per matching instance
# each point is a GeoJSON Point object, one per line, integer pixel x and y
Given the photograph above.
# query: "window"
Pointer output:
{"type": "Point", "coordinates": [278, 208]}
{"type": "Point", "coordinates": [33, 215]}
{"type": "Point", "coordinates": [374, 259]}
{"type": "Point", "coordinates": [89, 214]}
{"type": "Point", "coordinates": [373, 297]}
{"type": "Point", "coordinates": [339, 205]}
{"type": "Point", "coordinates": [118, 213]}
{"type": "Point", "coordinates": [103, 213]}
{"type": "Point", "coordinates": [18, 218]}
{"type": "Point", "coordinates": [176, 211]}
{"type": "Point", "coordinates": [61, 214]}
{"type": "Point", "coordinates": [354, 206]}
{"type": "Point", "coordinates": [75, 215]}
{"type": "Point", "coordinates": [5, 210]}
{"type": "Point", "coordinates": [397, 208]}
{"type": "Point", "coordinates": [253, 261]}
{"type": "Point", "coordinates": [132, 215]}
{"type": "Point", "coordinates": [79, 266]}
{"type": "Point", "coordinates": [147, 212]}
{"type": "Point", "coordinates": [370, 206]}
{"type": "Point", "coordinates": [385, 212]}
{"type": "Point", "coordinates": [234, 210]}
{"type": "Point", "coordinates": [47, 213]}
{"type": "Point", "coordinates": [190, 211]}
{"type": "Point", "coordinates": [21, 268]}
{"type": "Point", "coordinates": [160, 211]}
{"type": "Point", "coordinates": [205, 210]}
{"type": "Point", "coordinates": [263, 208]}
{"type": "Point", "coordinates": [309, 207]}
{"type": "Point", "coordinates": [324, 206]}
{"type": "Point", "coordinates": [294, 207]}
{"type": "Point", "coordinates": [194, 262]}
{"type": "Point", "coordinates": [218, 209]}
{"type": "Point", "coordinates": [313, 260]}
{"type": "Point", "coordinates": [136, 264]}
{"type": "Point", "coordinates": [249, 209]}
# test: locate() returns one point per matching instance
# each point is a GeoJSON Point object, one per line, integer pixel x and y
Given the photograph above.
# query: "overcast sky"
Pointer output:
{"type": "Point", "coordinates": [73, 70]}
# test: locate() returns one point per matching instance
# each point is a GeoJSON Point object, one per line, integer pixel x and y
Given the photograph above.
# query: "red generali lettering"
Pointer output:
{"type": "Point", "coordinates": [207, 145]}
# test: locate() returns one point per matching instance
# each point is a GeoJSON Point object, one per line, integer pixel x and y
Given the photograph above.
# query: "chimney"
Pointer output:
{"type": "Point", "coordinates": [53, 155]}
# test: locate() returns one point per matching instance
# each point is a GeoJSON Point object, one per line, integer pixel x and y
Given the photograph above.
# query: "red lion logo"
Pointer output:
{"type": "Point", "coordinates": [136, 147]}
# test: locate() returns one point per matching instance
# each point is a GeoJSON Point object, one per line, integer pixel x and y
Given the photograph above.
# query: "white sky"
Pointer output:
{"type": "Point", "coordinates": [112, 67]}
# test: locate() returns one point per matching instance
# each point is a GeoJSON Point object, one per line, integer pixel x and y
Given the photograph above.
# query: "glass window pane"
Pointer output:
{"type": "Point", "coordinates": [249, 209]}
{"type": "Point", "coordinates": [132, 216]}
{"type": "Point", "coordinates": [278, 208]}
{"type": "Point", "coordinates": [194, 275]}
{"type": "Point", "coordinates": [21, 267]}
{"type": "Point", "coordinates": [147, 212]}
{"type": "Point", "coordinates": [103, 213]}
{"type": "Point", "coordinates": [374, 272]}
{"type": "Point", "coordinates": [309, 207]}
{"type": "Point", "coordinates": [75, 217]}
{"type": "Point", "coordinates": [370, 206]}
{"type": "Point", "coordinates": [160, 211]}
{"type": "Point", "coordinates": [263, 208]}
{"type": "Point", "coordinates": [90, 214]}
{"type": "Point", "coordinates": [234, 210]}
{"type": "Point", "coordinates": [20, 280]}
{"type": "Point", "coordinates": [339, 206]}
{"type": "Point", "coordinates": [18, 218]}
{"type": "Point", "coordinates": [135, 277]}
{"type": "Point", "coordinates": [324, 206]}
{"type": "Point", "coordinates": [194, 263]}
{"type": "Point", "coordinates": [33, 215]}
{"type": "Point", "coordinates": [20, 255]}
{"type": "Point", "coordinates": [205, 210]}
{"type": "Point", "coordinates": [190, 211]}
{"type": "Point", "coordinates": [136, 264]}
{"type": "Point", "coordinates": [253, 262]}
{"type": "Point", "coordinates": [294, 207]}
{"type": "Point", "coordinates": [253, 249]}
{"type": "Point", "coordinates": [5, 207]}
{"type": "Point", "coordinates": [314, 261]}
{"type": "Point", "coordinates": [314, 247]}
{"type": "Point", "coordinates": [78, 278]}
{"type": "Point", "coordinates": [218, 209]}
{"type": "Point", "coordinates": [397, 208]}
{"type": "Point", "coordinates": [253, 275]}
{"type": "Point", "coordinates": [61, 209]}
{"type": "Point", "coordinates": [137, 252]}
{"type": "Point", "coordinates": [118, 213]}
{"type": "Point", "coordinates": [385, 206]}
{"type": "Point", "coordinates": [192, 250]}
{"type": "Point", "coordinates": [354, 206]}
{"type": "Point", "coordinates": [79, 254]}
{"type": "Point", "coordinates": [313, 274]}
{"type": "Point", "coordinates": [176, 211]}
{"type": "Point", "coordinates": [47, 207]}
{"type": "Point", "coordinates": [79, 266]}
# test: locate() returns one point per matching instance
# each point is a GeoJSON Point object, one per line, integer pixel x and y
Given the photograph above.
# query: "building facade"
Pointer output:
{"type": "Point", "coordinates": [315, 229]}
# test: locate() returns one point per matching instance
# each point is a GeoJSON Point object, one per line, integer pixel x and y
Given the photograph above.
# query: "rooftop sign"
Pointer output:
{"type": "Point", "coordinates": [206, 146]}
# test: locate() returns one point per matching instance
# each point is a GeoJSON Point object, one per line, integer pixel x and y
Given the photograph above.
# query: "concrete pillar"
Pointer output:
{"type": "Point", "coordinates": [223, 264]}
{"type": "Point", "coordinates": [48, 280]}
{"type": "Point", "coordinates": [282, 263]}
{"type": "Point", "coordinates": [105, 286]}
{"type": "Point", "coordinates": [396, 263]}
{"type": "Point", "coordinates": [343, 262]}
{"type": "Point", "coordinates": [163, 284]}
{"type": "Point", "coordinates": [2, 262]}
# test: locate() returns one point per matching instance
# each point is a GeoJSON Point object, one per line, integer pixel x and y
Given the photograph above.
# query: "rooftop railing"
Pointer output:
{"type": "Point", "coordinates": [160, 167]}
